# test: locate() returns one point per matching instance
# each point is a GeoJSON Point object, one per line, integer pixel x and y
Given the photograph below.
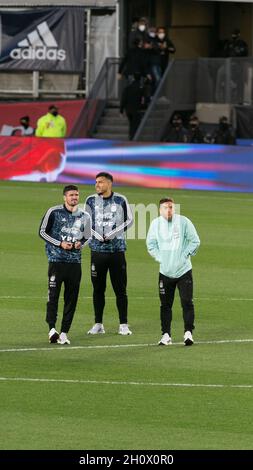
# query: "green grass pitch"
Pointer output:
{"type": "Point", "coordinates": [113, 392]}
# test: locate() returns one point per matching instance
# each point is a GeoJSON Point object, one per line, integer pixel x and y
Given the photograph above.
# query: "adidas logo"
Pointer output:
{"type": "Point", "coordinates": [40, 44]}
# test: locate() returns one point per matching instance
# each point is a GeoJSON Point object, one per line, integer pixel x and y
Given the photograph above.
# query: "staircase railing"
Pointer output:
{"type": "Point", "coordinates": [105, 87]}
{"type": "Point", "coordinates": [188, 82]}
{"type": "Point", "coordinates": [184, 83]}
{"type": "Point", "coordinates": [169, 96]}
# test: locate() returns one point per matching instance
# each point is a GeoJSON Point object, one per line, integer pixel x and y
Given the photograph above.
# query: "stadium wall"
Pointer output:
{"type": "Point", "coordinates": [181, 166]}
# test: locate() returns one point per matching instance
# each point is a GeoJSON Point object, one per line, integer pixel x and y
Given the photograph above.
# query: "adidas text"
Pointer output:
{"type": "Point", "coordinates": [40, 53]}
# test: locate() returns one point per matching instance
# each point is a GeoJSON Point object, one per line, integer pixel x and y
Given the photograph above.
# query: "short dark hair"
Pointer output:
{"type": "Point", "coordinates": [52, 106]}
{"type": "Point", "coordinates": [166, 199]}
{"type": "Point", "coordinates": [70, 187]}
{"type": "Point", "coordinates": [106, 175]}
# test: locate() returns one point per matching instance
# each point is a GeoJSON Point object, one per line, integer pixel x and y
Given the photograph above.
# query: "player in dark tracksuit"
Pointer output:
{"type": "Point", "coordinates": [111, 216]}
{"type": "Point", "coordinates": [66, 229]}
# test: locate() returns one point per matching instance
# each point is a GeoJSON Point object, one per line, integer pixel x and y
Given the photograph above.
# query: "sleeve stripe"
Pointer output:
{"type": "Point", "coordinates": [43, 227]}
{"type": "Point", "coordinates": [97, 235]}
{"type": "Point", "coordinates": [127, 222]}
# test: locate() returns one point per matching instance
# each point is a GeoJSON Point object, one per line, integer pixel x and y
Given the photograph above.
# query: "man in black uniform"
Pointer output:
{"type": "Point", "coordinates": [132, 101]}
{"type": "Point", "coordinates": [66, 229]}
{"type": "Point", "coordinates": [111, 216]}
{"type": "Point", "coordinates": [236, 46]}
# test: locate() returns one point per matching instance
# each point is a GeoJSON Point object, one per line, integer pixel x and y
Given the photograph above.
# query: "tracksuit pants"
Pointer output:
{"type": "Point", "coordinates": [70, 275]}
{"type": "Point", "coordinates": [167, 287]}
{"type": "Point", "coordinates": [115, 263]}
{"type": "Point", "coordinates": [134, 119]}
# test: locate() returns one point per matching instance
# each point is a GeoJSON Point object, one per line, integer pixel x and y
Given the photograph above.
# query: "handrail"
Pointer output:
{"type": "Point", "coordinates": [185, 83]}
{"type": "Point", "coordinates": [153, 102]}
{"type": "Point", "coordinates": [96, 101]}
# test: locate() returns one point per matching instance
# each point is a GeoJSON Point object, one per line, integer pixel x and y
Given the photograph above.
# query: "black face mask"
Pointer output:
{"type": "Point", "coordinates": [54, 113]}
{"type": "Point", "coordinates": [24, 124]}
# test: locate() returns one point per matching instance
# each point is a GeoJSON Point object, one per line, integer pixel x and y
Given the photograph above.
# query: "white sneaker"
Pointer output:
{"type": "Point", "coordinates": [124, 330]}
{"type": "Point", "coordinates": [188, 339]}
{"type": "Point", "coordinates": [63, 339]}
{"type": "Point", "coordinates": [98, 328]}
{"type": "Point", "coordinates": [165, 340]}
{"type": "Point", "coordinates": [53, 335]}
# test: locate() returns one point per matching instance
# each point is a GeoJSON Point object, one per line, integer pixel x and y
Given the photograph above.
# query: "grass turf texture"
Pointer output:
{"type": "Point", "coordinates": [129, 397]}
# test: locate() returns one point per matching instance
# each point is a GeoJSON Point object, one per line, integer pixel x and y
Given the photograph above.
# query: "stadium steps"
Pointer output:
{"type": "Point", "coordinates": [112, 125]}
{"type": "Point", "coordinates": [155, 122]}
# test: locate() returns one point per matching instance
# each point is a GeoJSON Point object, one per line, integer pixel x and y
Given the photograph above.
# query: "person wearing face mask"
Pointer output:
{"type": "Point", "coordinates": [152, 32]}
{"type": "Point", "coordinates": [51, 124]}
{"type": "Point", "coordinates": [176, 131]}
{"type": "Point", "coordinates": [223, 135]}
{"type": "Point", "coordinates": [166, 47]}
{"type": "Point", "coordinates": [236, 46]}
{"type": "Point", "coordinates": [195, 134]}
{"type": "Point", "coordinates": [24, 129]}
{"type": "Point", "coordinates": [153, 58]}
{"type": "Point", "coordinates": [140, 33]}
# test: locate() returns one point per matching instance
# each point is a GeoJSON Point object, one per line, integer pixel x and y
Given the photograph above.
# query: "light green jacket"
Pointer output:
{"type": "Point", "coordinates": [172, 243]}
{"type": "Point", "coordinates": [51, 126]}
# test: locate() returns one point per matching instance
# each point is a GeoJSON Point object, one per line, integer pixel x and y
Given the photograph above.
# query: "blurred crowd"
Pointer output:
{"type": "Point", "coordinates": [193, 133]}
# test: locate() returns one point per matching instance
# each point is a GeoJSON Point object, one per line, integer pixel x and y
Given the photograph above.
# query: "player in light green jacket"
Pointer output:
{"type": "Point", "coordinates": [52, 124]}
{"type": "Point", "coordinates": [172, 239]}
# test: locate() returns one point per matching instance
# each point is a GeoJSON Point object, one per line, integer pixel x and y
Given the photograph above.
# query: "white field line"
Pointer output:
{"type": "Point", "coordinates": [224, 299]}
{"type": "Point", "coordinates": [119, 346]}
{"type": "Point", "coordinates": [129, 383]}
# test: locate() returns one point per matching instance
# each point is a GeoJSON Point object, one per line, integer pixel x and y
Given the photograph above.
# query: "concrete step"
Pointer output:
{"type": "Point", "coordinates": [108, 136]}
{"type": "Point", "coordinates": [112, 112]}
{"type": "Point", "coordinates": [154, 123]}
{"type": "Point", "coordinates": [113, 103]}
{"type": "Point", "coordinates": [121, 121]}
{"type": "Point", "coordinates": [112, 129]}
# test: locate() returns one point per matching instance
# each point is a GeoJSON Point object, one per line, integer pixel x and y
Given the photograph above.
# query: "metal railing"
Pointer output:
{"type": "Point", "coordinates": [185, 83]}
{"type": "Point", "coordinates": [105, 88]}
{"type": "Point", "coordinates": [188, 82]}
